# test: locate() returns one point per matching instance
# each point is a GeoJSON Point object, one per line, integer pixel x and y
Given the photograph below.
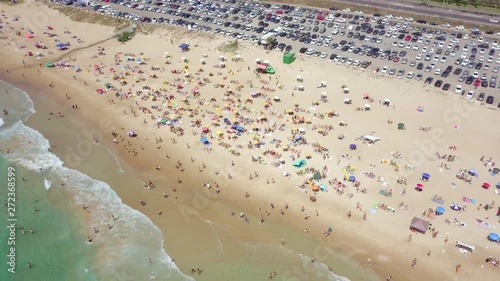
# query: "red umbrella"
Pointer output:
{"type": "Point", "coordinates": [419, 187]}
{"type": "Point", "coordinates": [486, 185]}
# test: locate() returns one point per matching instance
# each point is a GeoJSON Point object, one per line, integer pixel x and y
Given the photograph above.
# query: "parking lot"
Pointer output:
{"type": "Point", "coordinates": [465, 62]}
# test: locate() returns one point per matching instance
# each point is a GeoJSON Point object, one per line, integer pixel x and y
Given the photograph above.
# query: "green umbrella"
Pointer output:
{"type": "Point", "coordinates": [49, 64]}
{"type": "Point", "coordinates": [401, 126]}
{"type": "Point", "coordinates": [108, 85]}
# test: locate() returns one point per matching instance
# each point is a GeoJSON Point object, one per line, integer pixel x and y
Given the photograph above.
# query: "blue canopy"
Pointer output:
{"type": "Point", "coordinates": [184, 46]}
{"type": "Point", "coordinates": [352, 178]}
{"type": "Point", "coordinates": [440, 210]}
{"type": "Point", "coordinates": [494, 237]}
{"type": "Point", "coordinates": [352, 146]}
{"type": "Point", "coordinates": [205, 140]}
{"type": "Point", "coordinates": [426, 176]}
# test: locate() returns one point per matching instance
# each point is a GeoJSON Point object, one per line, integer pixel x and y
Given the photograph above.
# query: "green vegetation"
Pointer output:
{"type": "Point", "coordinates": [125, 36]}
{"type": "Point", "coordinates": [474, 3]}
{"type": "Point", "coordinates": [229, 47]}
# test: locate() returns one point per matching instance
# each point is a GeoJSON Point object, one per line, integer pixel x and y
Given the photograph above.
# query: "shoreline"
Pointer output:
{"type": "Point", "coordinates": [146, 169]}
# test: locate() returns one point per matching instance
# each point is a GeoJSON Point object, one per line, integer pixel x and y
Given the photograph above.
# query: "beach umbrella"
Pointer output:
{"type": "Point", "coordinates": [401, 126]}
{"type": "Point", "coordinates": [352, 178]}
{"type": "Point", "coordinates": [455, 207]}
{"type": "Point", "coordinates": [426, 176]}
{"type": "Point", "coordinates": [352, 146]}
{"type": "Point", "coordinates": [472, 172]}
{"type": "Point", "coordinates": [315, 188]}
{"type": "Point", "coordinates": [419, 187]}
{"type": "Point", "coordinates": [498, 185]}
{"type": "Point", "coordinates": [440, 210]}
{"type": "Point", "coordinates": [49, 64]}
{"type": "Point", "coordinates": [131, 134]}
{"type": "Point", "coordinates": [494, 237]}
{"type": "Point", "coordinates": [485, 185]}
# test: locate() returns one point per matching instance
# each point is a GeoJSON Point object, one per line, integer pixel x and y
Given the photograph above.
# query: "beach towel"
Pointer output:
{"type": "Point", "coordinates": [440, 202]}
{"type": "Point", "coordinates": [469, 200]}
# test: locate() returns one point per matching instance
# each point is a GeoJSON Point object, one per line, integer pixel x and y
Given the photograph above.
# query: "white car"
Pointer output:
{"type": "Point", "coordinates": [459, 89]}
{"type": "Point", "coordinates": [469, 95]}
{"type": "Point", "coordinates": [443, 59]}
{"type": "Point", "coordinates": [437, 72]}
{"type": "Point", "coordinates": [410, 75]}
{"type": "Point", "coordinates": [418, 57]}
{"type": "Point", "coordinates": [385, 69]}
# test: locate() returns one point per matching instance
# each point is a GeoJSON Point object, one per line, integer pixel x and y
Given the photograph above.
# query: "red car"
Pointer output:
{"type": "Point", "coordinates": [408, 38]}
{"type": "Point", "coordinates": [279, 12]}
{"type": "Point", "coordinates": [396, 59]}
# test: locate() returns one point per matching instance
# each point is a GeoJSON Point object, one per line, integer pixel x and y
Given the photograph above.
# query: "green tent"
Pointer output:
{"type": "Point", "coordinates": [289, 57]}
{"type": "Point", "coordinates": [299, 163]}
{"type": "Point", "coordinates": [49, 64]}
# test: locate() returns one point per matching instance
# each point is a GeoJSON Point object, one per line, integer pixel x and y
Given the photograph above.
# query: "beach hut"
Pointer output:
{"type": "Point", "coordinates": [184, 47]}
{"type": "Point", "coordinates": [401, 126]}
{"type": "Point", "coordinates": [440, 210]}
{"type": "Point", "coordinates": [289, 57]}
{"type": "Point", "coordinates": [493, 237]}
{"type": "Point", "coordinates": [419, 225]}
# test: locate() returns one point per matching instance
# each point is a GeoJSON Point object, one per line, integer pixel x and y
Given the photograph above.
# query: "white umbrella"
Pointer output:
{"type": "Point", "coordinates": [367, 105]}
{"type": "Point", "coordinates": [347, 99]}
{"type": "Point", "coordinates": [323, 94]}
{"type": "Point", "coordinates": [387, 100]}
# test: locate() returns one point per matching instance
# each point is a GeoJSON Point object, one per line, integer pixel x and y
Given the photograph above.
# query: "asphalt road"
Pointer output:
{"type": "Point", "coordinates": [427, 11]}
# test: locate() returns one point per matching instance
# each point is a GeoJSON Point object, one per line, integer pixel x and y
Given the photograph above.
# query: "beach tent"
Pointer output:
{"type": "Point", "coordinates": [184, 47]}
{"type": "Point", "coordinates": [205, 140]}
{"type": "Point", "coordinates": [299, 163]}
{"type": "Point", "coordinates": [455, 207]}
{"type": "Point", "coordinates": [494, 237]}
{"type": "Point", "coordinates": [440, 210]}
{"type": "Point", "coordinates": [419, 225]}
{"type": "Point", "coordinates": [464, 246]}
{"type": "Point", "coordinates": [371, 139]}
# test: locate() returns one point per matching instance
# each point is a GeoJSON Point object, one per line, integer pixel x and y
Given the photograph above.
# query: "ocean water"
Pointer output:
{"type": "Point", "coordinates": [59, 248]}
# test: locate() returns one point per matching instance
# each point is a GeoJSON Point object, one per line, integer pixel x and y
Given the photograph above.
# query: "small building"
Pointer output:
{"type": "Point", "coordinates": [289, 57]}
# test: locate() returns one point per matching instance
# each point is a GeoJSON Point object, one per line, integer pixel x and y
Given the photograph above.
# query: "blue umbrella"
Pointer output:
{"type": "Point", "coordinates": [494, 237]}
{"type": "Point", "coordinates": [426, 176]}
{"type": "Point", "coordinates": [498, 185]}
{"type": "Point", "coordinates": [440, 210]}
{"type": "Point", "coordinates": [352, 178]}
{"type": "Point", "coordinates": [472, 172]}
{"type": "Point", "coordinates": [352, 146]}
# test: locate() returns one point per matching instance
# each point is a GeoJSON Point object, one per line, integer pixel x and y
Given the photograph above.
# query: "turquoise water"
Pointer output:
{"type": "Point", "coordinates": [56, 250]}
{"type": "Point", "coordinates": [59, 248]}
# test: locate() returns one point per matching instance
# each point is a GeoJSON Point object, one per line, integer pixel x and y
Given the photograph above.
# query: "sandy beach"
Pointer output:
{"type": "Point", "coordinates": [328, 166]}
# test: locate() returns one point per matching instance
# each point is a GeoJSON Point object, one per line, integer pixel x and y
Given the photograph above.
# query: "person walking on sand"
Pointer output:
{"type": "Point", "coordinates": [457, 268]}
{"type": "Point", "coordinates": [414, 262]}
